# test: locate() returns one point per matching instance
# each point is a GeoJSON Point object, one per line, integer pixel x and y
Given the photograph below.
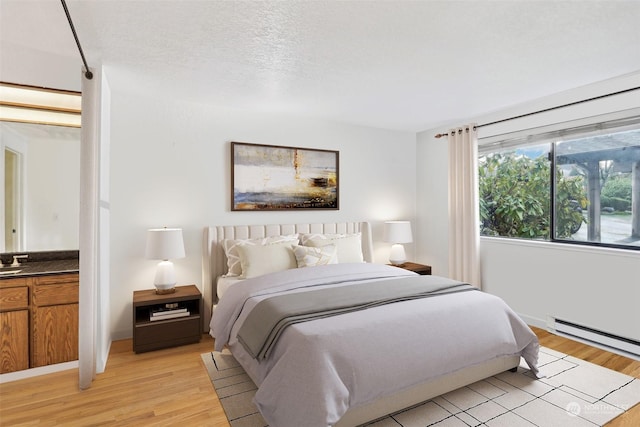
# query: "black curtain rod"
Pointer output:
{"type": "Point", "coordinates": [440, 135]}
{"type": "Point", "coordinates": [88, 74]}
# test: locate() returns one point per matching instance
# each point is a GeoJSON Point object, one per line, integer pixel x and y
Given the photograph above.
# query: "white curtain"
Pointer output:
{"type": "Point", "coordinates": [464, 221]}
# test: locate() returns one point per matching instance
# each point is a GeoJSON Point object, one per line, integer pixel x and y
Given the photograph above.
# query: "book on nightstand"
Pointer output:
{"type": "Point", "coordinates": [161, 311]}
{"type": "Point", "coordinates": [183, 312]}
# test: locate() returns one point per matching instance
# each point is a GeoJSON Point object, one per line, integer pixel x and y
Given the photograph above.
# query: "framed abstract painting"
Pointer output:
{"type": "Point", "coordinates": [273, 177]}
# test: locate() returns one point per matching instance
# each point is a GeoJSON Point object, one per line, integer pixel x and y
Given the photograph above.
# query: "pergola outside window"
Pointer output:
{"type": "Point", "coordinates": [610, 169]}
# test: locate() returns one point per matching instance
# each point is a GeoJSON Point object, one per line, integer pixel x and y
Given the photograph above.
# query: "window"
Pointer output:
{"type": "Point", "coordinates": [583, 187]}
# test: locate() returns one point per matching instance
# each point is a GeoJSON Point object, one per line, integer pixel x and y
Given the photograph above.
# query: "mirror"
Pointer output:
{"type": "Point", "coordinates": [40, 187]}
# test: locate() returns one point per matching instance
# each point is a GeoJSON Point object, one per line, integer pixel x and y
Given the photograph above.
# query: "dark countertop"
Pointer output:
{"type": "Point", "coordinates": [41, 267]}
{"type": "Point", "coordinates": [43, 263]}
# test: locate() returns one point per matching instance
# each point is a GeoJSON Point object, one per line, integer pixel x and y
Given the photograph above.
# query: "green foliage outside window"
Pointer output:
{"type": "Point", "coordinates": [571, 200]}
{"type": "Point", "coordinates": [515, 197]}
{"type": "Point", "coordinates": [616, 193]}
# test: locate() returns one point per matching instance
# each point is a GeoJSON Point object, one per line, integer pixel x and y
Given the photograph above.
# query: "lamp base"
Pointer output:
{"type": "Point", "coordinates": [165, 280]}
{"type": "Point", "coordinates": [397, 256]}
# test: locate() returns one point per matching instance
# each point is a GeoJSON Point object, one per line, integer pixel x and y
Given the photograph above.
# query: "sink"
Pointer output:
{"type": "Point", "coordinates": [9, 270]}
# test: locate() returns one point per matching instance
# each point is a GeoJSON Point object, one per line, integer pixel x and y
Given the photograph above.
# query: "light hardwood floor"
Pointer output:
{"type": "Point", "coordinates": [171, 387]}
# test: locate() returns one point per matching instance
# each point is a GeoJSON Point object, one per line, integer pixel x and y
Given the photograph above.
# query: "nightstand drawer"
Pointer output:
{"type": "Point", "coordinates": [167, 333]}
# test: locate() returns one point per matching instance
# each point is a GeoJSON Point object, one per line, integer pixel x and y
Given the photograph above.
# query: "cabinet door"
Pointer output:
{"type": "Point", "coordinates": [14, 346]}
{"type": "Point", "coordinates": [54, 334]}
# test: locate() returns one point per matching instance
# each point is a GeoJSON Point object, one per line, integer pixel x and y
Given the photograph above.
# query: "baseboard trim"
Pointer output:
{"type": "Point", "coordinates": [34, 372]}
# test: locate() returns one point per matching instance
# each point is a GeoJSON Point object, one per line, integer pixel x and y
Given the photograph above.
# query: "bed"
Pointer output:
{"type": "Point", "coordinates": [349, 368]}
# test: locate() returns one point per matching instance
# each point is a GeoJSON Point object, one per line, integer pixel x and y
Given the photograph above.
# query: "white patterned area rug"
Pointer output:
{"type": "Point", "coordinates": [572, 393]}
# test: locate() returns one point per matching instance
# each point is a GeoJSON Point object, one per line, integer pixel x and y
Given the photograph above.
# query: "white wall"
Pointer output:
{"type": "Point", "coordinates": [595, 287]}
{"type": "Point", "coordinates": [51, 195]}
{"type": "Point", "coordinates": [432, 198]}
{"type": "Point", "coordinates": [34, 67]}
{"type": "Point", "coordinates": [598, 288]}
{"type": "Point", "coordinates": [170, 166]}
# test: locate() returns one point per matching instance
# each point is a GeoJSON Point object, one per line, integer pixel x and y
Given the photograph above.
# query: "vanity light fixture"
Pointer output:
{"type": "Point", "coordinates": [165, 244]}
{"type": "Point", "coordinates": [397, 232]}
{"type": "Point", "coordinates": [29, 104]}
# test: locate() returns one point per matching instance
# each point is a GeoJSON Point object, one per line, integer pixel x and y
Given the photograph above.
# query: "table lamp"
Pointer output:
{"type": "Point", "coordinates": [397, 232]}
{"type": "Point", "coordinates": [165, 244]}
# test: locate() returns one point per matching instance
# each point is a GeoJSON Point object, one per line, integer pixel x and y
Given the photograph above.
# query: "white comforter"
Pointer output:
{"type": "Point", "coordinates": [320, 368]}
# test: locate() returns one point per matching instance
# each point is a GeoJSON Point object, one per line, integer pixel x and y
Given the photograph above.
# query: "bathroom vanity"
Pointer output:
{"type": "Point", "coordinates": [38, 310]}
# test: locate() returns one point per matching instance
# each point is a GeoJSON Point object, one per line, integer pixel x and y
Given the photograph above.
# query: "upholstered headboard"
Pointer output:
{"type": "Point", "coordinates": [214, 262]}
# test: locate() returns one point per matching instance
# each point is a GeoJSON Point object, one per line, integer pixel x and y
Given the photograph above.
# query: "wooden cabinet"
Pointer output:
{"type": "Point", "coordinates": [14, 324]}
{"type": "Point", "coordinates": [155, 332]}
{"type": "Point", "coordinates": [39, 321]}
{"type": "Point", "coordinates": [54, 317]}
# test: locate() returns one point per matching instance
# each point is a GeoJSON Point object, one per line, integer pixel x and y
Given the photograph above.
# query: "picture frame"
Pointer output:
{"type": "Point", "coordinates": [275, 177]}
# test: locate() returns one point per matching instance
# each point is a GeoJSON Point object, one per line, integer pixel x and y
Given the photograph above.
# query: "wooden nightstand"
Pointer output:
{"type": "Point", "coordinates": [421, 269]}
{"type": "Point", "coordinates": [167, 320]}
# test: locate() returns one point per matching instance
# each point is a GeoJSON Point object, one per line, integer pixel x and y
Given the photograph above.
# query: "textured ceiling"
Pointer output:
{"type": "Point", "coordinates": [390, 64]}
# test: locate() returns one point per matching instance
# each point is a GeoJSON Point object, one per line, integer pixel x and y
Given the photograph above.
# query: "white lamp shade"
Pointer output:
{"type": "Point", "coordinates": [397, 232]}
{"type": "Point", "coordinates": [165, 243]}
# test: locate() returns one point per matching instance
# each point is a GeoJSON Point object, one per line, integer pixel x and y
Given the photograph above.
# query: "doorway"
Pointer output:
{"type": "Point", "coordinates": [13, 231]}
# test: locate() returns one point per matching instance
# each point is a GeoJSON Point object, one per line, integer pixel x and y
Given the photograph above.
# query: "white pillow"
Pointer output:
{"type": "Point", "coordinates": [257, 260]}
{"type": "Point", "coordinates": [305, 238]}
{"type": "Point", "coordinates": [307, 256]}
{"type": "Point", "coordinates": [230, 246]}
{"type": "Point", "coordinates": [348, 245]}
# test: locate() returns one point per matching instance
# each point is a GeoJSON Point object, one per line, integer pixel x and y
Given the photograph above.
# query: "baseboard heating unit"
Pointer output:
{"type": "Point", "coordinates": [599, 338]}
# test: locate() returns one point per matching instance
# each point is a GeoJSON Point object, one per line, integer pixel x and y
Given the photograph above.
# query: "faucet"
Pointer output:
{"type": "Point", "coordinates": [15, 262]}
